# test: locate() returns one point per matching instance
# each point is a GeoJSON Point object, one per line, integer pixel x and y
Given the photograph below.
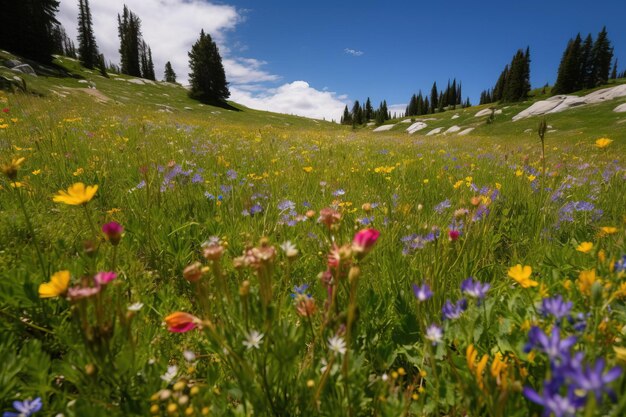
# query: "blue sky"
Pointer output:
{"type": "Point", "coordinates": [290, 56]}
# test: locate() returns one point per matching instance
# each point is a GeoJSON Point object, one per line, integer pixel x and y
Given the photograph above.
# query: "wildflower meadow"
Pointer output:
{"type": "Point", "coordinates": [196, 264]}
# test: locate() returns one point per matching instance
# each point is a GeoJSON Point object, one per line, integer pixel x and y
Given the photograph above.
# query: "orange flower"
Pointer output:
{"type": "Point", "coordinates": [603, 142]}
{"type": "Point", "coordinates": [180, 322]}
{"type": "Point", "coordinates": [584, 247]}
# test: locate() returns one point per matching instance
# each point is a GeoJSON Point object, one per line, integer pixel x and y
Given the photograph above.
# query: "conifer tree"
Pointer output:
{"type": "Point", "coordinates": [207, 77]}
{"type": "Point", "coordinates": [517, 85]}
{"type": "Point", "coordinates": [614, 72]}
{"type": "Point", "coordinates": [369, 110]}
{"type": "Point", "coordinates": [26, 28]}
{"type": "Point", "coordinates": [452, 94]}
{"type": "Point", "coordinates": [170, 75]}
{"type": "Point", "coordinates": [102, 66]}
{"type": "Point", "coordinates": [498, 89]}
{"type": "Point", "coordinates": [129, 31]}
{"type": "Point", "coordinates": [346, 119]}
{"type": "Point", "coordinates": [586, 64]}
{"type": "Point", "coordinates": [602, 56]}
{"type": "Point", "coordinates": [87, 48]}
{"type": "Point", "coordinates": [433, 97]}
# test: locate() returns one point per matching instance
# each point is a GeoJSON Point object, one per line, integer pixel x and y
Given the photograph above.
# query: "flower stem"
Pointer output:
{"type": "Point", "coordinates": [42, 264]}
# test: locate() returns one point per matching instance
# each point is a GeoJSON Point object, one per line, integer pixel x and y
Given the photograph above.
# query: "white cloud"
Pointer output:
{"type": "Point", "coordinates": [398, 109]}
{"type": "Point", "coordinates": [297, 98]}
{"type": "Point", "coordinates": [171, 27]}
{"type": "Point", "coordinates": [353, 52]}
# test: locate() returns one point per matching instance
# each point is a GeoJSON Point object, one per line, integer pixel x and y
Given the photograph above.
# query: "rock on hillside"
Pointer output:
{"type": "Point", "coordinates": [558, 104]}
{"type": "Point", "coordinates": [620, 109]}
{"type": "Point", "coordinates": [383, 128]}
{"type": "Point", "coordinates": [415, 127]}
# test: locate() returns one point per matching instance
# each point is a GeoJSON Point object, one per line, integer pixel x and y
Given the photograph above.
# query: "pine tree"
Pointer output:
{"type": "Point", "coordinates": [369, 110]}
{"type": "Point", "coordinates": [433, 98]}
{"type": "Point", "coordinates": [346, 119]}
{"type": "Point", "coordinates": [207, 76]}
{"type": "Point", "coordinates": [498, 89]}
{"type": "Point", "coordinates": [614, 72]}
{"type": "Point", "coordinates": [452, 95]}
{"type": "Point", "coordinates": [87, 48]}
{"type": "Point", "coordinates": [586, 64]}
{"type": "Point", "coordinates": [517, 84]}
{"type": "Point", "coordinates": [26, 28]}
{"type": "Point", "coordinates": [147, 66]}
{"type": "Point", "coordinates": [602, 56]}
{"type": "Point", "coordinates": [129, 31]}
{"type": "Point", "coordinates": [102, 66]}
{"type": "Point", "coordinates": [170, 75]}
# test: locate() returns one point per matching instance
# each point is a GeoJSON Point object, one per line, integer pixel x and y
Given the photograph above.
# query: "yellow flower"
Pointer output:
{"type": "Point", "coordinates": [36, 172]}
{"type": "Point", "coordinates": [603, 142]}
{"type": "Point", "coordinates": [10, 169]}
{"type": "Point", "coordinates": [531, 178]}
{"type": "Point", "coordinates": [585, 280]}
{"type": "Point", "coordinates": [4, 126]}
{"type": "Point", "coordinates": [607, 230]}
{"type": "Point", "coordinates": [620, 353]}
{"type": "Point", "coordinates": [522, 275]}
{"type": "Point", "coordinates": [76, 195]}
{"type": "Point", "coordinates": [78, 172]}
{"type": "Point", "coordinates": [307, 169]}
{"type": "Point", "coordinates": [58, 285]}
{"type": "Point", "coordinates": [584, 247]}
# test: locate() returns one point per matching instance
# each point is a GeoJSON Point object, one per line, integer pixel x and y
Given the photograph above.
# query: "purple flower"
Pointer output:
{"type": "Point", "coordinates": [554, 403]}
{"type": "Point", "coordinates": [24, 408]}
{"type": "Point", "coordinates": [592, 379]}
{"type": "Point", "coordinates": [439, 208]}
{"type": "Point", "coordinates": [453, 311]}
{"type": "Point", "coordinates": [231, 174]}
{"type": "Point", "coordinates": [339, 192]}
{"type": "Point", "coordinates": [299, 290]}
{"type": "Point", "coordinates": [422, 293]}
{"type": "Point", "coordinates": [196, 179]}
{"type": "Point", "coordinates": [620, 265]}
{"type": "Point", "coordinates": [475, 289]}
{"type": "Point", "coordinates": [226, 188]}
{"type": "Point", "coordinates": [103, 278]}
{"type": "Point", "coordinates": [556, 349]}
{"type": "Point", "coordinates": [286, 205]}
{"type": "Point", "coordinates": [255, 209]}
{"type": "Point", "coordinates": [556, 307]}
{"type": "Point", "coordinates": [434, 334]}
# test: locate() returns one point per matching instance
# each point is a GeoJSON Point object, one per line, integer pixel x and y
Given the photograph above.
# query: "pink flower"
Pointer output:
{"type": "Point", "coordinates": [364, 241]}
{"type": "Point", "coordinates": [180, 322]}
{"type": "Point", "coordinates": [453, 235]}
{"type": "Point", "coordinates": [113, 232]}
{"type": "Point", "coordinates": [5, 110]}
{"type": "Point", "coordinates": [103, 278]}
{"type": "Point", "coordinates": [77, 293]}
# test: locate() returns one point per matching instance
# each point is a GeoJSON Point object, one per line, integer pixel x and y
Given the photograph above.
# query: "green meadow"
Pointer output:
{"type": "Point", "coordinates": [250, 278]}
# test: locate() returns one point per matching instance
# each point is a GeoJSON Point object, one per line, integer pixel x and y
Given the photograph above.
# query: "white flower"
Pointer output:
{"type": "Point", "coordinates": [434, 334]}
{"type": "Point", "coordinates": [189, 356]}
{"type": "Point", "coordinates": [337, 344]}
{"type": "Point", "coordinates": [135, 306]}
{"type": "Point", "coordinates": [253, 340]}
{"type": "Point", "coordinates": [170, 374]}
{"type": "Point", "coordinates": [289, 249]}
{"type": "Point", "coordinates": [384, 377]}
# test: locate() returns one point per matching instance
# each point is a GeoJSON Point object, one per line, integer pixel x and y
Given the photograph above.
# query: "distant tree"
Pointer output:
{"type": "Point", "coordinates": [498, 89]}
{"type": "Point", "coordinates": [368, 110]}
{"type": "Point", "coordinates": [440, 100]}
{"type": "Point", "coordinates": [147, 66]}
{"type": "Point", "coordinates": [207, 76]}
{"type": "Point", "coordinates": [433, 97]}
{"type": "Point", "coordinates": [614, 72]}
{"type": "Point", "coordinates": [467, 103]}
{"type": "Point", "coordinates": [102, 66]}
{"type": "Point", "coordinates": [170, 75]}
{"type": "Point", "coordinates": [602, 56]}
{"type": "Point", "coordinates": [26, 28]}
{"type": "Point", "coordinates": [87, 47]}
{"type": "Point", "coordinates": [129, 31]}
{"type": "Point", "coordinates": [585, 77]}
{"type": "Point", "coordinates": [569, 73]}
{"type": "Point", "coordinates": [517, 85]}
{"type": "Point", "coordinates": [452, 94]}
{"type": "Point", "coordinates": [380, 117]}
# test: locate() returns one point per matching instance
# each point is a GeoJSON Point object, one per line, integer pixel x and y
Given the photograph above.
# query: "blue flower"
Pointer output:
{"type": "Point", "coordinates": [453, 311]}
{"type": "Point", "coordinates": [475, 289]}
{"type": "Point", "coordinates": [255, 209]}
{"type": "Point", "coordinates": [556, 307]}
{"type": "Point", "coordinates": [556, 349]}
{"type": "Point", "coordinates": [554, 403]}
{"type": "Point", "coordinates": [286, 205]}
{"type": "Point", "coordinates": [422, 293]}
{"type": "Point", "coordinates": [24, 408]}
{"type": "Point", "coordinates": [439, 208]}
{"type": "Point", "coordinates": [339, 192]}
{"type": "Point", "coordinates": [434, 334]}
{"type": "Point", "coordinates": [620, 265]}
{"type": "Point", "coordinates": [592, 379]}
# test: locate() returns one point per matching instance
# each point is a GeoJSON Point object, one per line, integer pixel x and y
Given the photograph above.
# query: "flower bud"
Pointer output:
{"type": "Point", "coordinates": [113, 232]}
{"type": "Point", "coordinates": [193, 272]}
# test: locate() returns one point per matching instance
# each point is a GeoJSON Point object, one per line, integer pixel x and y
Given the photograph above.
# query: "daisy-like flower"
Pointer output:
{"type": "Point", "coordinates": [10, 169]}
{"type": "Point", "coordinates": [603, 142]}
{"type": "Point", "coordinates": [253, 340]}
{"type": "Point", "coordinates": [56, 286]}
{"type": "Point", "coordinates": [336, 344]}
{"type": "Point", "coordinates": [135, 307]}
{"type": "Point", "coordinates": [434, 334]}
{"type": "Point", "coordinates": [76, 194]}
{"type": "Point", "coordinates": [290, 249]}
{"type": "Point", "coordinates": [171, 373]}
{"type": "Point", "coordinates": [521, 274]}
{"type": "Point", "coordinates": [584, 247]}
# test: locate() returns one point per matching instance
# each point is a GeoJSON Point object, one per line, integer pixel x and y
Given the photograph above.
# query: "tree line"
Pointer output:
{"type": "Point", "coordinates": [29, 28]}
{"type": "Point", "coordinates": [513, 84]}
{"type": "Point", "coordinates": [360, 115]}
{"type": "Point", "coordinates": [438, 101]}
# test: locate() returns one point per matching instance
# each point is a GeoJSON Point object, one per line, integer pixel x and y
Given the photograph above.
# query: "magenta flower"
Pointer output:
{"type": "Point", "coordinates": [103, 278]}
{"type": "Point", "coordinates": [78, 293]}
{"type": "Point", "coordinates": [364, 241]}
{"type": "Point", "coordinates": [113, 232]}
{"type": "Point", "coordinates": [453, 235]}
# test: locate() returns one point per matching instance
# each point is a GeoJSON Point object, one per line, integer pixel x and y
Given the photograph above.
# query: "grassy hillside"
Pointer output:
{"type": "Point", "coordinates": [171, 262]}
